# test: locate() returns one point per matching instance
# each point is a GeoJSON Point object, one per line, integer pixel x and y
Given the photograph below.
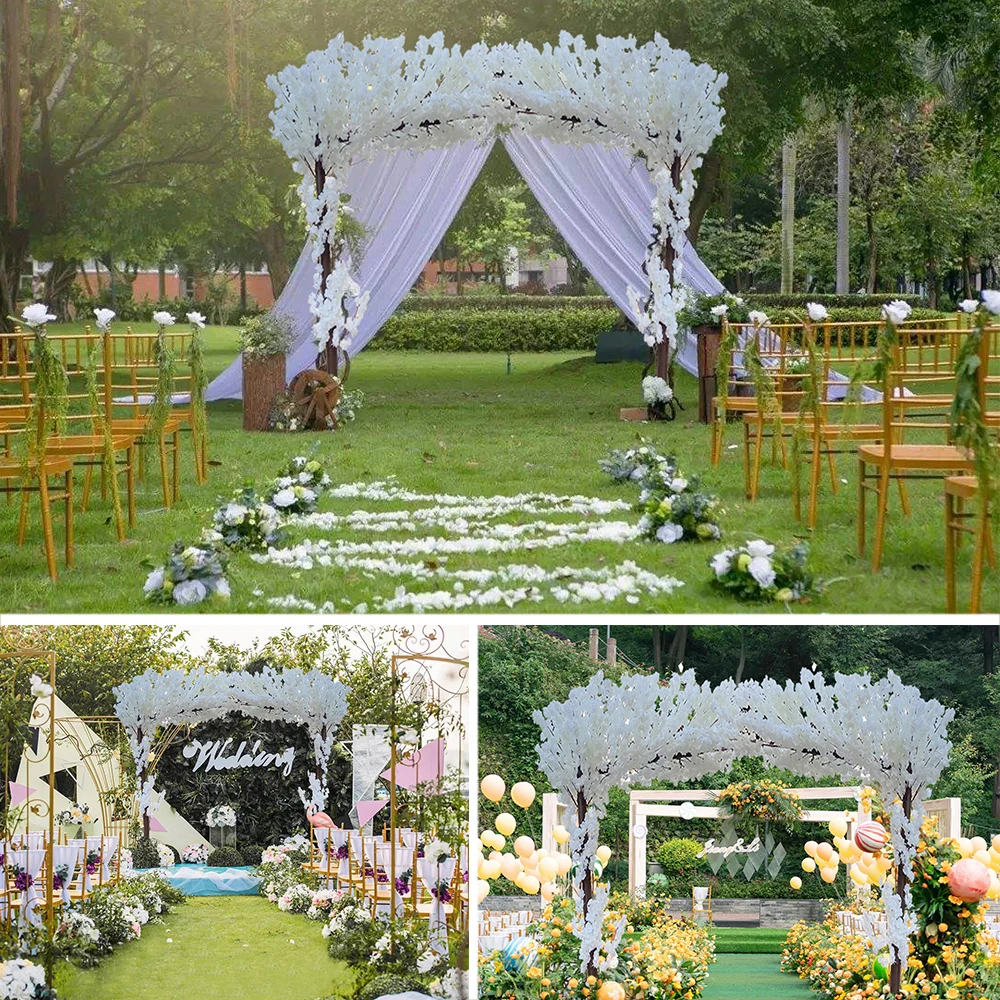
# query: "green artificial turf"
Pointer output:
{"type": "Point", "coordinates": [749, 940]}
{"type": "Point", "coordinates": [223, 948]}
{"type": "Point", "coordinates": [460, 424]}
{"type": "Point", "coordinates": [752, 977]}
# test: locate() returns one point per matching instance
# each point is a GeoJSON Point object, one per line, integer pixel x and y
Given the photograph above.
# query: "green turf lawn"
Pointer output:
{"type": "Point", "coordinates": [222, 948]}
{"type": "Point", "coordinates": [752, 977]}
{"type": "Point", "coordinates": [749, 940]}
{"type": "Point", "coordinates": [458, 423]}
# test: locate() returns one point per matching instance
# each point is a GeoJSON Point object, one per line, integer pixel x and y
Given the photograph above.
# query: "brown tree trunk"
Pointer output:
{"type": "Point", "coordinates": [58, 285]}
{"type": "Point", "coordinates": [13, 261]}
{"type": "Point", "coordinates": [711, 167]}
{"type": "Point", "coordinates": [161, 280]}
{"type": "Point", "coordinates": [902, 880]}
{"type": "Point", "coordinates": [872, 282]}
{"type": "Point", "coordinates": [274, 246]}
{"type": "Point", "coordinates": [678, 646]}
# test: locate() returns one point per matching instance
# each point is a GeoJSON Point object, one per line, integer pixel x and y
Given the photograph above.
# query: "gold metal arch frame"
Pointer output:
{"type": "Point", "coordinates": [415, 651]}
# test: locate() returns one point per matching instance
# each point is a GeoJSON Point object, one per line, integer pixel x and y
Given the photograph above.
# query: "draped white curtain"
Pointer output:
{"type": "Point", "coordinates": [596, 197]}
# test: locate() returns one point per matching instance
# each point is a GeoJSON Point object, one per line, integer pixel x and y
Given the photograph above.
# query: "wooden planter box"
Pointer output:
{"type": "Point", "coordinates": [263, 383]}
{"type": "Point", "coordinates": [709, 340]}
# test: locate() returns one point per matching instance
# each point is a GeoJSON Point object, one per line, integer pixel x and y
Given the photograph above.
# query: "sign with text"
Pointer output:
{"type": "Point", "coordinates": [219, 755]}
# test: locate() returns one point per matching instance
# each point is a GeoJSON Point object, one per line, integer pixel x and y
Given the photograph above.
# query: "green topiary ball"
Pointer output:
{"type": "Point", "coordinates": [388, 985]}
{"type": "Point", "coordinates": [145, 854]}
{"type": "Point", "coordinates": [251, 854]}
{"type": "Point", "coordinates": [225, 857]}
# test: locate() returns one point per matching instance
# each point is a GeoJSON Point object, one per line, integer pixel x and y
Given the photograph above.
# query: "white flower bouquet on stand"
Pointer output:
{"type": "Point", "coordinates": [221, 823]}
{"type": "Point", "coordinates": [659, 397]}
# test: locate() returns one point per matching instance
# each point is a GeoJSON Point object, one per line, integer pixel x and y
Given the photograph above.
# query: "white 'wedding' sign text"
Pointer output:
{"type": "Point", "coordinates": [217, 755]}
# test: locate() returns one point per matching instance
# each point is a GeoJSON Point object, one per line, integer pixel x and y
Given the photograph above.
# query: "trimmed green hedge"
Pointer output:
{"type": "Point", "coordinates": [761, 300]}
{"type": "Point", "coordinates": [502, 303]}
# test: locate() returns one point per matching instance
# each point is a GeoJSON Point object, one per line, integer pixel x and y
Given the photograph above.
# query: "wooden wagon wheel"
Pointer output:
{"type": "Point", "coordinates": [316, 394]}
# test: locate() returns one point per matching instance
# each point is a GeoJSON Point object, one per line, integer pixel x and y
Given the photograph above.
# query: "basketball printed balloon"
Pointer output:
{"type": "Point", "coordinates": [871, 837]}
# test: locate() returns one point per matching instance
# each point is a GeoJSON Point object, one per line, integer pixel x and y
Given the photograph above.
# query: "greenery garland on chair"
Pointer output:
{"type": "Point", "coordinates": [49, 402]}
{"type": "Point", "coordinates": [199, 383]}
{"type": "Point", "coordinates": [102, 428]}
{"type": "Point", "coordinates": [724, 363]}
{"type": "Point", "coordinates": [763, 381]}
{"type": "Point", "coordinates": [810, 405]}
{"type": "Point", "coordinates": [163, 400]}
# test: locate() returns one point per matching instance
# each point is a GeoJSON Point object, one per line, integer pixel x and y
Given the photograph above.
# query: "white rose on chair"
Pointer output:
{"type": "Point", "coordinates": [103, 318]}
{"type": "Point", "coordinates": [36, 315]}
{"type": "Point", "coordinates": [968, 305]}
{"type": "Point", "coordinates": [437, 851]}
{"type": "Point", "coordinates": [897, 311]}
{"type": "Point", "coordinates": [163, 318]}
{"type": "Point", "coordinates": [991, 299]}
{"type": "Point", "coordinates": [817, 312]}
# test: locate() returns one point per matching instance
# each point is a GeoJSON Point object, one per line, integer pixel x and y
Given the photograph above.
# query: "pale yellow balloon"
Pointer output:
{"type": "Point", "coordinates": [523, 794]}
{"type": "Point", "coordinates": [964, 847]}
{"type": "Point", "coordinates": [996, 842]}
{"type": "Point", "coordinates": [808, 865]}
{"type": "Point", "coordinates": [524, 846]}
{"type": "Point", "coordinates": [499, 842]}
{"type": "Point", "coordinates": [548, 890]}
{"type": "Point", "coordinates": [565, 863]}
{"type": "Point", "coordinates": [883, 864]}
{"type": "Point", "coordinates": [983, 857]}
{"type": "Point", "coordinates": [495, 856]}
{"type": "Point", "coordinates": [858, 876]}
{"type": "Point", "coordinates": [824, 852]}
{"type": "Point", "coordinates": [505, 823]}
{"type": "Point", "coordinates": [482, 889]}
{"type": "Point", "coordinates": [493, 787]}
{"type": "Point", "coordinates": [529, 884]}
{"type": "Point", "coordinates": [489, 870]}
{"type": "Point", "coordinates": [978, 844]}
{"type": "Point", "coordinates": [810, 848]}
{"type": "Point", "coordinates": [560, 834]}
{"type": "Point", "coordinates": [604, 854]}
{"type": "Point", "coordinates": [839, 843]}
{"type": "Point", "coordinates": [838, 826]}
{"type": "Point", "coordinates": [486, 838]}
{"type": "Point", "coordinates": [828, 874]}
{"type": "Point", "coordinates": [511, 867]}
{"type": "Point", "coordinates": [994, 890]}
{"type": "Point", "coordinates": [795, 882]}
{"type": "Point", "coordinates": [548, 869]}
{"type": "Point", "coordinates": [994, 859]}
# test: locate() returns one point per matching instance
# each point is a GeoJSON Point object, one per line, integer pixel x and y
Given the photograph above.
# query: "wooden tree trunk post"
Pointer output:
{"type": "Point", "coordinates": [263, 383]}
{"type": "Point", "coordinates": [587, 886]}
{"type": "Point", "coordinates": [327, 358]}
{"type": "Point", "coordinates": [902, 881]}
{"type": "Point", "coordinates": [668, 257]}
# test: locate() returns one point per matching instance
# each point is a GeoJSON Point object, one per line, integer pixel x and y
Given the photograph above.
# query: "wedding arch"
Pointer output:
{"type": "Point", "coordinates": [608, 734]}
{"type": "Point", "coordinates": [153, 700]}
{"type": "Point", "coordinates": [608, 137]}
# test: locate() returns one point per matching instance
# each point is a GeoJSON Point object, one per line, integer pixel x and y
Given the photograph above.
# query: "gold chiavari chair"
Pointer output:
{"type": "Point", "coordinates": [959, 520]}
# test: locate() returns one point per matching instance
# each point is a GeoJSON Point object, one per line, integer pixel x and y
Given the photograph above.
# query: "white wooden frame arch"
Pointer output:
{"type": "Point", "coordinates": [177, 697]}
{"type": "Point", "coordinates": [347, 102]}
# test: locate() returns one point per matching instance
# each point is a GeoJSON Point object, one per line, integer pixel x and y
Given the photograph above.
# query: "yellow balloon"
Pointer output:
{"type": "Point", "coordinates": [983, 857]}
{"type": "Point", "coordinates": [828, 874]}
{"type": "Point", "coordinates": [499, 842]}
{"type": "Point", "coordinates": [604, 854]}
{"type": "Point", "coordinates": [529, 884]}
{"type": "Point", "coordinates": [493, 787]}
{"type": "Point", "coordinates": [489, 870]}
{"type": "Point", "coordinates": [808, 865]}
{"type": "Point", "coordinates": [505, 823]}
{"type": "Point", "coordinates": [996, 842]}
{"type": "Point", "coordinates": [486, 838]}
{"type": "Point", "coordinates": [795, 882]}
{"type": "Point", "coordinates": [810, 848]}
{"type": "Point", "coordinates": [495, 856]}
{"type": "Point", "coordinates": [511, 867]}
{"type": "Point", "coordinates": [548, 869]}
{"type": "Point", "coordinates": [523, 794]}
{"type": "Point", "coordinates": [565, 863]}
{"type": "Point", "coordinates": [978, 844]}
{"type": "Point", "coordinates": [858, 876]}
{"type": "Point", "coordinates": [964, 847]}
{"type": "Point", "coordinates": [838, 827]}
{"type": "Point", "coordinates": [560, 834]}
{"type": "Point", "coordinates": [482, 889]}
{"type": "Point", "coordinates": [824, 852]}
{"type": "Point", "coordinates": [524, 846]}
{"type": "Point", "coordinates": [548, 890]}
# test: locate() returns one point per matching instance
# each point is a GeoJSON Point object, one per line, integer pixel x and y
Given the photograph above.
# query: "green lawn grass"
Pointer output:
{"type": "Point", "coordinates": [752, 977]}
{"type": "Point", "coordinates": [749, 940]}
{"type": "Point", "coordinates": [460, 424]}
{"type": "Point", "coordinates": [222, 948]}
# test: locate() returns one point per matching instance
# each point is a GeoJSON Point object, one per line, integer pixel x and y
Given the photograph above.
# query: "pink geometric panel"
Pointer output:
{"type": "Point", "coordinates": [422, 765]}
{"type": "Point", "coordinates": [19, 793]}
{"type": "Point", "coordinates": [367, 809]}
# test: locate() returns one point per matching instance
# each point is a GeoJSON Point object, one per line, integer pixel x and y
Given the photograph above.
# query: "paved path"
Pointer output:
{"type": "Point", "coordinates": [753, 977]}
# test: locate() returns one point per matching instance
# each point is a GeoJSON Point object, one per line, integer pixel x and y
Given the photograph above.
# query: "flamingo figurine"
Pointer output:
{"type": "Point", "coordinates": [317, 818]}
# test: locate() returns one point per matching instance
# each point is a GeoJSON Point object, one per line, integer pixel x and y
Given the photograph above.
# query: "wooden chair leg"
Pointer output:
{"type": "Point", "coordinates": [164, 479]}
{"type": "Point", "coordinates": [177, 466]}
{"type": "Point", "coordinates": [949, 553]}
{"type": "Point", "coordinates": [717, 423]}
{"type": "Point", "coordinates": [69, 517]}
{"type": "Point", "coordinates": [87, 478]}
{"type": "Point", "coordinates": [814, 481]}
{"type": "Point", "coordinates": [758, 452]}
{"type": "Point", "coordinates": [861, 506]}
{"type": "Point", "coordinates": [979, 554]}
{"type": "Point", "coordinates": [47, 540]}
{"type": "Point", "coordinates": [746, 459]}
{"type": "Point", "coordinates": [130, 483]}
{"type": "Point", "coordinates": [904, 497]}
{"type": "Point", "coordinates": [831, 461]}
{"type": "Point", "coordinates": [880, 516]}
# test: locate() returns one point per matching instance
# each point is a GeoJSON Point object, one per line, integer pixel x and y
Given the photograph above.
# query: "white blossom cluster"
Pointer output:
{"type": "Point", "coordinates": [152, 700]}
{"type": "Point", "coordinates": [606, 734]}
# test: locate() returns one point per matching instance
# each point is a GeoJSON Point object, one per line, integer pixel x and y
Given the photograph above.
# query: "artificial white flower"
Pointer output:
{"type": "Point", "coordinates": [817, 312]}
{"type": "Point", "coordinates": [722, 562]}
{"type": "Point", "coordinates": [897, 311]}
{"type": "Point", "coordinates": [104, 318]}
{"type": "Point", "coordinates": [719, 311]}
{"type": "Point", "coordinates": [436, 850]}
{"type": "Point", "coordinates": [758, 547]}
{"type": "Point", "coordinates": [991, 299]}
{"type": "Point", "coordinates": [190, 592]}
{"type": "Point", "coordinates": [219, 587]}
{"type": "Point", "coordinates": [36, 315]}
{"type": "Point", "coordinates": [163, 318]}
{"type": "Point", "coordinates": [669, 533]}
{"type": "Point", "coordinates": [154, 581]}
{"type": "Point", "coordinates": [284, 497]}
{"type": "Point", "coordinates": [234, 513]}
{"type": "Point", "coordinates": [762, 571]}
{"type": "Point", "coordinates": [678, 485]}
{"type": "Point", "coordinates": [968, 305]}
{"type": "Point", "coordinates": [196, 319]}
{"type": "Point", "coordinates": [758, 318]}
{"type": "Point", "coordinates": [39, 689]}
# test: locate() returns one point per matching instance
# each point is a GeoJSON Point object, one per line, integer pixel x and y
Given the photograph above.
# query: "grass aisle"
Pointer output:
{"type": "Point", "coordinates": [753, 977]}
{"type": "Point", "coordinates": [223, 948]}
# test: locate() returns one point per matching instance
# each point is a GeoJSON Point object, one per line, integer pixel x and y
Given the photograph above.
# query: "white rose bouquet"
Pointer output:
{"type": "Point", "coordinates": [758, 571]}
{"type": "Point", "coordinates": [673, 508]}
{"type": "Point", "coordinates": [191, 574]}
{"type": "Point", "coordinates": [219, 816]}
{"type": "Point", "coordinates": [245, 522]}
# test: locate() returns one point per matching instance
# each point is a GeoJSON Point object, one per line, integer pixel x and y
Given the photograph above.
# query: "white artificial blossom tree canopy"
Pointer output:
{"type": "Point", "coordinates": [347, 102]}
{"type": "Point", "coordinates": [608, 734]}
{"type": "Point", "coordinates": [177, 697]}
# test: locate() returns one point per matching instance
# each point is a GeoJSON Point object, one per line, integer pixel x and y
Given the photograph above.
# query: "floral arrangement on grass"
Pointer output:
{"type": "Point", "coordinates": [635, 464]}
{"type": "Point", "coordinates": [166, 853]}
{"type": "Point", "coordinates": [265, 335]}
{"type": "Point", "coordinates": [761, 801]}
{"type": "Point", "coordinates": [351, 932]}
{"type": "Point", "coordinates": [346, 410]}
{"type": "Point", "coordinates": [245, 522]}
{"type": "Point", "coordinates": [296, 898]}
{"type": "Point", "coordinates": [76, 936]}
{"type": "Point", "coordinates": [195, 854]}
{"type": "Point", "coordinates": [192, 574]}
{"type": "Point", "coordinates": [23, 980]}
{"type": "Point", "coordinates": [675, 509]}
{"type": "Point", "coordinates": [280, 869]}
{"type": "Point", "coordinates": [659, 398]}
{"type": "Point", "coordinates": [322, 902]}
{"type": "Point", "coordinates": [298, 486]}
{"type": "Point", "coordinates": [757, 571]}
{"type": "Point", "coordinates": [220, 816]}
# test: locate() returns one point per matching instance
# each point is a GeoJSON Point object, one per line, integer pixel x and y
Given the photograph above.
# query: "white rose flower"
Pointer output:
{"type": "Point", "coordinates": [817, 312]}
{"type": "Point", "coordinates": [285, 481]}
{"type": "Point", "coordinates": [897, 311]}
{"type": "Point", "coordinates": [719, 311]}
{"type": "Point", "coordinates": [234, 513]}
{"type": "Point", "coordinates": [758, 318]}
{"type": "Point", "coordinates": [678, 485]}
{"type": "Point", "coordinates": [39, 689]}
{"type": "Point", "coordinates": [722, 562]}
{"type": "Point", "coordinates": [154, 581]}
{"type": "Point", "coordinates": [762, 571]}
{"type": "Point", "coordinates": [104, 318]}
{"type": "Point", "coordinates": [163, 318]}
{"type": "Point", "coordinates": [220, 587]}
{"type": "Point", "coordinates": [758, 547]}
{"type": "Point", "coordinates": [196, 319]}
{"type": "Point", "coordinates": [991, 299]}
{"type": "Point", "coordinates": [36, 315]}
{"type": "Point", "coordinates": [190, 592]}
{"type": "Point", "coordinates": [968, 305]}
{"type": "Point", "coordinates": [284, 498]}
{"type": "Point", "coordinates": [669, 533]}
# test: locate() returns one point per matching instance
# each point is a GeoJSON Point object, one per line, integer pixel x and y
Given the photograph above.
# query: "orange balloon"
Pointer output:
{"type": "Point", "coordinates": [611, 991]}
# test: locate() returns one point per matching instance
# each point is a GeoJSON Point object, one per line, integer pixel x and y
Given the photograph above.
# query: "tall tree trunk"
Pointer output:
{"type": "Point", "coordinates": [788, 216]}
{"type": "Point", "coordinates": [743, 654]}
{"type": "Point", "coordinates": [678, 646]}
{"type": "Point", "coordinates": [275, 248]}
{"type": "Point", "coordinates": [58, 286]}
{"type": "Point", "coordinates": [243, 288]}
{"type": "Point", "coordinates": [13, 263]}
{"type": "Point", "coordinates": [711, 167]}
{"type": "Point", "coordinates": [843, 203]}
{"type": "Point", "coordinates": [872, 283]}
{"type": "Point", "coordinates": [657, 649]}
{"type": "Point", "coordinates": [161, 280]}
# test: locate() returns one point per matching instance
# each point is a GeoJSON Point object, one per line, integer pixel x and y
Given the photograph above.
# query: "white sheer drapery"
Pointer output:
{"type": "Point", "coordinates": [597, 197]}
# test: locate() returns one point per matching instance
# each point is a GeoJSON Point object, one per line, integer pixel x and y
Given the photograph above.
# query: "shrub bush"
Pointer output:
{"type": "Point", "coordinates": [146, 853]}
{"type": "Point", "coordinates": [225, 857]}
{"type": "Point", "coordinates": [502, 303]}
{"type": "Point", "coordinates": [388, 985]}
{"type": "Point", "coordinates": [679, 856]}
{"type": "Point", "coordinates": [251, 854]}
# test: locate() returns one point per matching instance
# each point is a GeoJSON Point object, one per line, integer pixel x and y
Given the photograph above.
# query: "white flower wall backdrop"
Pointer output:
{"type": "Point", "coordinates": [347, 102]}
{"type": "Point", "coordinates": [309, 698]}
{"type": "Point", "coordinates": [608, 734]}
